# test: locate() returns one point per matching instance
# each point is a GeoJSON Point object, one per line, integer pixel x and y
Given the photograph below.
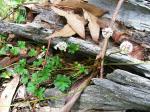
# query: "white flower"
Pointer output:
{"type": "Point", "coordinates": [61, 46]}
{"type": "Point", "coordinates": [107, 32]}
{"type": "Point", "coordinates": [126, 47]}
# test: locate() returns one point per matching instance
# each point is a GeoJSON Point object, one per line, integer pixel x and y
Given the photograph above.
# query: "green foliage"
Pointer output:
{"type": "Point", "coordinates": [6, 75]}
{"type": "Point", "coordinates": [32, 52]}
{"type": "Point", "coordinates": [15, 50]}
{"type": "Point", "coordinates": [2, 36]}
{"type": "Point", "coordinates": [62, 82]}
{"type": "Point", "coordinates": [40, 93]}
{"type": "Point", "coordinates": [37, 63]}
{"type": "Point", "coordinates": [44, 49]}
{"type": "Point", "coordinates": [8, 6]}
{"type": "Point", "coordinates": [31, 87]}
{"type": "Point", "coordinates": [4, 8]}
{"type": "Point", "coordinates": [21, 44]}
{"type": "Point", "coordinates": [38, 77]}
{"type": "Point", "coordinates": [80, 69]}
{"type": "Point", "coordinates": [20, 68]}
{"type": "Point", "coordinates": [21, 15]}
{"type": "Point", "coordinates": [3, 51]}
{"type": "Point", "coordinates": [1, 67]}
{"type": "Point", "coordinates": [16, 2]}
{"type": "Point", "coordinates": [73, 48]}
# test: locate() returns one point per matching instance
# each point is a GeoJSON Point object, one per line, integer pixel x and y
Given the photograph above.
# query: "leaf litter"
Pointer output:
{"type": "Point", "coordinates": [77, 22]}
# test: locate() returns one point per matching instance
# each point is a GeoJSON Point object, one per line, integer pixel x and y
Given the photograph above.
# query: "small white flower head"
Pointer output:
{"type": "Point", "coordinates": [107, 32]}
{"type": "Point", "coordinates": [126, 47]}
{"type": "Point", "coordinates": [62, 46]}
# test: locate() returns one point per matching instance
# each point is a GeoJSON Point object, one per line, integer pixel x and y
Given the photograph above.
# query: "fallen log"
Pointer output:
{"type": "Point", "coordinates": [110, 95]}
{"type": "Point", "coordinates": [133, 13]}
{"type": "Point", "coordinates": [38, 34]}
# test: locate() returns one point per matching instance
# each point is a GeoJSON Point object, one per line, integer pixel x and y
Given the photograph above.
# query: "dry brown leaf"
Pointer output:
{"type": "Point", "coordinates": [88, 7]}
{"type": "Point", "coordinates": [8, 93]}
{"type": "Point", "coordinates": [93, 25]}
{"type": "Point", "coordinates": [59, 11]}
{"type": "Point", "coordinates": [75, 21]}
{"type": "Point", "coordinates": [21, 92]}
{"type": "Point", "coordinates": [67, 31]}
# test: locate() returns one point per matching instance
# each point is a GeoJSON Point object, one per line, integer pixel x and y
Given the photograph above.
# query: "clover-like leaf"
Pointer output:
{"type": "Point", "coordinates": [62, 82]}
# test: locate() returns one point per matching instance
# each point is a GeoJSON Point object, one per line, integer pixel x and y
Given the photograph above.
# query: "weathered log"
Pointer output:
{"type": "Point", "coordinates": [125, 78]}
{"type": "Point", "coordinates": [109, 95]}
{"type": "Point", "coordinates": [133, 13]}
{"type": "Point", "coordinates": [39, 34]}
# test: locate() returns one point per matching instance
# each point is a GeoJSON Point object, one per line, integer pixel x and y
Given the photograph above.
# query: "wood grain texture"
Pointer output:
{"type": "Point", "coordinates": [111, 95]}
{"type": "Point", "coordinates": [132, 14]}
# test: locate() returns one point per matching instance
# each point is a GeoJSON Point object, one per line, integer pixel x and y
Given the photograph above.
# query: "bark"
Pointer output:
{"type": "Point", "coordinates": [115, 93]}
{"type": "Point", "coordinates": [133, 13]}
{"type": "Point", "coordinates": [38, 34]}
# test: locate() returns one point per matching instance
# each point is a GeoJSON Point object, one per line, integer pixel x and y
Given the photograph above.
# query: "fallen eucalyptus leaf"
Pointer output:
{"type": "Point", "coordinates": [94, 27]}
{"type": "Point", "coordinates": [88, 7]}
{"type": "Point", "coordinates": [75, 21]}
{"type": "Point", "coordinates": [67, 31]}
{"type": "Point", "coordinates": [8, 93]}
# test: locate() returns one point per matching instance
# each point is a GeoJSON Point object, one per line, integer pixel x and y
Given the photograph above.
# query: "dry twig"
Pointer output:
{"type": "Point", "coordinates": [101, 55]}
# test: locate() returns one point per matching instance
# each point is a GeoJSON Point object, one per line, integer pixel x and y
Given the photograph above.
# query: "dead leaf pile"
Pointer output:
{"type": "Point", "coordinates": [78, 14]}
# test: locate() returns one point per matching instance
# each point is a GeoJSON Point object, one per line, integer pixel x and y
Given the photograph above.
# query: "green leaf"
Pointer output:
{"type": "Point", "coordinates": [44, 49]}
{"type": "Point", "coordinates": [20, 67]}
{"type": "Point", "coordinates": [32, 52]}
{"type": "Point", "coordinates": [31, 87]}
{"type": "Point", "coordinates": [80, 69]}
{"type": "Point", "coordinates": [6, 75]}
{"type": "Point", "coordinates": [22, 62]}
{"type": "Point", "coordinates": [1, 67]}
{"type": "Point", "coordinates": [25, 79]}
{"type": "Point", "coordinates": [4, 8]}
{"type": "Point", "coordinates": [2, 36]}
{"type": "Point", "coordinates": [62, 82]}
{"type": "Point", "coordinates": [20, 19]}
{"type": "Point", "coordinates": [21, 44]}
{"type": "Point", "coordinates": [3, 51]}
{"type": "Point", "coordinates": [73, 48]}
{"type": "Point", "coordinates": [21, 15]}
{"type": "Point", "coordinates": [15, 50]}
{"type": "Point", "coordinates": [38, 62]}
{"type": "Point", "coordinates": [40, 93]}
{"type": "Point", "coordinates": [14, 3]}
